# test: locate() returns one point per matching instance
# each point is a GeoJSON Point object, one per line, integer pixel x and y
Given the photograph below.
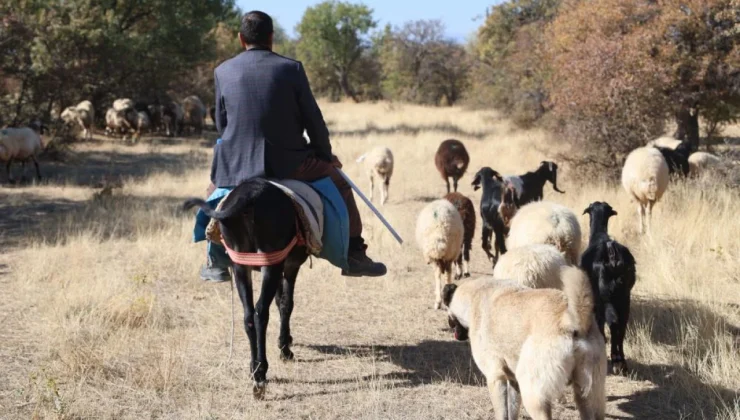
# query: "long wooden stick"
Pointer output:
{"type": "Point", "coordinates": [369, 204]}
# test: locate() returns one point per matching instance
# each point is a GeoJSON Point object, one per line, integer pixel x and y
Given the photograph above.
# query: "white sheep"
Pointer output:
{"type": "Point", "coordinates": [83, 114]}
{"type": "Point", "coordinates": [665, 141]}
{"type": "Point", "coordinates": [535, 265]}
{"type": "Point", "coordinates": [123, 104]}
{"type": "Point", "coordinates": [545, 222]}
{"type": "Point", "coordinates": [702, 161]}
{"type": "Point", "coordinates": [379, 162]}
{"type": "Point", "coordinates": [645, 178]}
{"type": "Point", "coordinates": [19, 144]}
{"type": "Point", "coordinates": [439, 234]}
{"type": "Point", "coordinates": [116, 121]}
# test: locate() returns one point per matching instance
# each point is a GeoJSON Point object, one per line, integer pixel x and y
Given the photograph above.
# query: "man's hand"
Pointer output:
{"type": "Point", "coordinates": [335, 162]}
{"type": "Point", "coordinates": [211, 188]}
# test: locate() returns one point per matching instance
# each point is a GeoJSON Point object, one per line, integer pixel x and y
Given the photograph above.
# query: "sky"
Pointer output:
{"type": "Point", "coordinates": [461, 18]}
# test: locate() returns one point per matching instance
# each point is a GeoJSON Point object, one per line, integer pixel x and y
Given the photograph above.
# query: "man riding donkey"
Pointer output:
{"type": "Point", "coordinates": [263, 106]}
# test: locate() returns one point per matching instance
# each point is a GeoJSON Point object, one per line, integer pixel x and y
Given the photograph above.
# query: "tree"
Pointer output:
{"type": "Point", "coordinates": [420, 65]}
{"type": "Point", "coordinates": [282, 43]}
{"type": "Point", "coordinates": [58, 53]}
{"type": "Point", "coordinates": [621, 68]}
{"type": "Point", "coordinates": [511, 68]}
{"type": "Point", "coordinates": [332, 39]}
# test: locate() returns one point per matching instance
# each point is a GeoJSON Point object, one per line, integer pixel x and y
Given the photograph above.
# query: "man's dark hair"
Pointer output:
{"type": "Point", "coordinates": [256, 28]}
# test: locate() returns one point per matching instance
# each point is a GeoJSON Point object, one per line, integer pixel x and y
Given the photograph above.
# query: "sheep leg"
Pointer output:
{"type": "Point", "coordinates": [386, 184]}
{"type": "Point", "coordinates": [458, 267]}
{"type": "Point", "coordinates": [372, 187]}
{"type": "Point", "coordinates": [641, 214]}
{"type": "Point", "coordinates": [486, 236]}
{"type": "Point", "coordinates": [447, 180]}
{"type": "Point", "coordinates": [466, 255]}
{"type": "Point", "coordinates": [500, 243]}
{"type": "Point", "coordinates": [454, 183]}
{"type": "Point", "coordinates": [7, 170]}
{"type": "Point", "coordinates": [619, 330]}
{"type": "Point", "coordinates": [438, 285]}
{"type": "Point", "coordinates": [649, 217]}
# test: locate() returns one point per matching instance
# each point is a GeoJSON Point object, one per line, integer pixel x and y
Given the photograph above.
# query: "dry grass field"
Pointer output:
{"type": "Point", "coordinates": [103, 314]}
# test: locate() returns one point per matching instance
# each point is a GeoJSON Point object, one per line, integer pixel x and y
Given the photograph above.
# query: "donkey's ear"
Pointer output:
{"type": "Point", "coordinates": [447, 293]}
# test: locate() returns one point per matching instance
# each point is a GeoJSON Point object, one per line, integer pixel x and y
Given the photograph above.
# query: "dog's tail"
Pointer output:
{"type": "Point", "coordinates": [577, 289]}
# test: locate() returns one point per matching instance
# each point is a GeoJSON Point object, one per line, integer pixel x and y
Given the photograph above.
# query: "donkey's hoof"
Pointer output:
{"type": "Point", "coordinates": [619, 367]}
{"type": "Point", "coordinates": [258, 390]}
{"type": "Point", "coordinates": [286, 355]}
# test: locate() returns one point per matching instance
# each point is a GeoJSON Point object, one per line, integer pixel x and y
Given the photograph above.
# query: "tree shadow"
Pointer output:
{"type": "Point", "coordinates": [89, 168]}
{"type": "Point", "coordinates": [30, 218]}
{"type": "Point", "coordinates": [428, 362]}
{"type": "Point", "coordinates": [406, 129]}
{"type": "Point", "coordinates": [24, 213]}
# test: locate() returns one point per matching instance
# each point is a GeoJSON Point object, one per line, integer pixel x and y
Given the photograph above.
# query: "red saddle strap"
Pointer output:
{"type": "Point", "coordinates": [261, 259]}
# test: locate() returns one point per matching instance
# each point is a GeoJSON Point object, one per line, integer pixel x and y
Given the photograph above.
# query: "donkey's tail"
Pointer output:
{"type": "Point", "coordinates": [246, 196]}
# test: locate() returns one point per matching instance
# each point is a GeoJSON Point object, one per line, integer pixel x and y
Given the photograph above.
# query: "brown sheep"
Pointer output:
{"type": "Point", "coordinates": [467, 211]}
{"type": "Point", "coordinates": [452, 161]}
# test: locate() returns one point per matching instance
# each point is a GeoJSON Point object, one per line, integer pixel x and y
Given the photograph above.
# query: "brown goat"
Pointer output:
{"type": "Point", "coordinates": [452, 161]}
{"type": "Point", "coordinates": [509, 204]}
{"type": "Point", "coordinates": [467, 212]}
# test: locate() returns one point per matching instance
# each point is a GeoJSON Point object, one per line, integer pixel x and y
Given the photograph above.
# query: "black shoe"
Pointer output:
{"type": "Point", "coordinates": [214, 274]}
{"type": "Point", "coordinates": [360, 265]}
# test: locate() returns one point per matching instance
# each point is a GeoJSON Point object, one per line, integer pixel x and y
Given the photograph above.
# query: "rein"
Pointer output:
{"type": "Point", "coordinates": [261, 259]}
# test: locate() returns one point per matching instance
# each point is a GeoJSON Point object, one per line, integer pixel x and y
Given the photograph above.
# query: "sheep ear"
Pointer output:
{"type": "Point", "coordinates": [588, 210]}
{"type": "Point", "coordinates": [498, 176]}
{"type": "Point", "coordinates": [614, 212]}
{"type": "Point", "coordinates": [447, 293]}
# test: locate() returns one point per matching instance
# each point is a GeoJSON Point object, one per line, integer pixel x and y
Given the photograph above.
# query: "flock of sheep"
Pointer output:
{"type": "Point", "coordinates": [125, 118]}
{"type": "Point", "coordinates": [537, 245]}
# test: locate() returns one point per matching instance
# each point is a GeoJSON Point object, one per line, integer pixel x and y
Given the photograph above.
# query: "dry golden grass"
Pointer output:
{"type": "Point", "coordinates": [103, 315]}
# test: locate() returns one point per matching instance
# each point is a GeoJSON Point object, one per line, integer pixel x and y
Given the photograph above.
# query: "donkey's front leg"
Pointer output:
{"type": "Point", "coordinates": [271, 278]}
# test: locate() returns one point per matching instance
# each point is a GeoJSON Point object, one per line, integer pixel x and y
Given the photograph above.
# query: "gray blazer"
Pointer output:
{"type": "Point", "coordinates": [263, 104]}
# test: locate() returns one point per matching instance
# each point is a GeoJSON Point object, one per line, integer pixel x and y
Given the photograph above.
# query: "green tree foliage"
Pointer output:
{"type": "Point", "coordinates": [511, 67]}
{"type": "Point", "coordinates": [333, 39]}
{"type": "Point", "coordinates": [420, 65]}
{"type": "Point", "coordinates": [56, 53]}
{"type": "Point", "coordinates": [282, 43]}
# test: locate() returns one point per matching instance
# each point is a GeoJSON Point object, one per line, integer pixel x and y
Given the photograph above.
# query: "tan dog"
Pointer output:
{"type": "Point", "coordinates": [532, 342]}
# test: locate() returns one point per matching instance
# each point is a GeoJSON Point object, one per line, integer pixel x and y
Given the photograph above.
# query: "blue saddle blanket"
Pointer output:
{"type": "Point", "coordinates": [335, 237]}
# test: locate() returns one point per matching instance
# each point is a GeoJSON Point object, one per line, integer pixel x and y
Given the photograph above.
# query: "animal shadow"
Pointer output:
{"type": "Point", "coordinates": [424, 363]}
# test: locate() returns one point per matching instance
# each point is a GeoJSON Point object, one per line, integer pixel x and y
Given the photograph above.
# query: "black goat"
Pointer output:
{"type": "Point", "coordinates": [452, 161]}
{"type": "Point", "coordinates": [678, 158]}
{"type": "Point", "coordinates": [493, 223]}
{"type": "Point", "coordinates": [611, 268]}
{"type": "Point", "coordinates": [530, 185]}
{"type": "Point", "coordinates": [259, 217]}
